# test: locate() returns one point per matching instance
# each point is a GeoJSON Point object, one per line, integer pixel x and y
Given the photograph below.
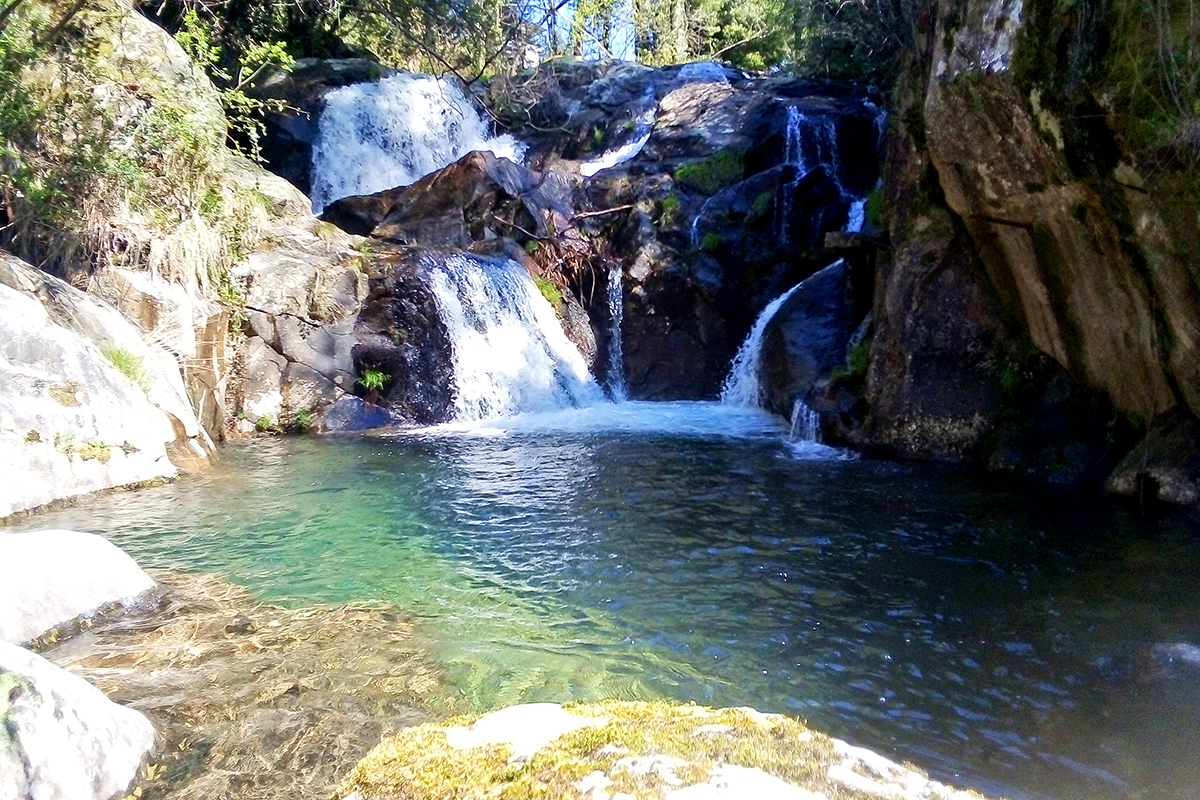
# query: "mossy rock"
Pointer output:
{"type": "Point", "coordinates": [628, 750]}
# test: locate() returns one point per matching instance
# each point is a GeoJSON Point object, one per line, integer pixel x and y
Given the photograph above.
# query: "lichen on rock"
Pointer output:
{"type": "Point", "coordinates": [618, 749]}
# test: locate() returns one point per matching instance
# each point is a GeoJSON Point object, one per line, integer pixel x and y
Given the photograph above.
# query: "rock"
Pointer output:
{"type": "Point", "coordinates": [400, 333]}
{"type": "Point", "coordinates": [1165, 465]}
{"type": "Point", "coordinates": [808, 337]}
{"type": "Point", "coordinates": [64, 740]}
{"type": "Point", "coordinates": [51, 577]}
{"type": "Point", "coordinates": [355, 414]}
{"type": "Point", "coordinates": [476, 198]}
{"type": "Point", "coordinates": [87, 404]}
{"type": "Point", "coordinates": [589, 750]}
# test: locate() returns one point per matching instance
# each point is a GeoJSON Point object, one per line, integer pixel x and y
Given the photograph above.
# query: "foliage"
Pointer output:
{"type": "Point", "coordinates": [372, 379]}
{"type": "Point", "coordinates": [873, 210]}
{"type": "Point", "coordinates": [721, 170]}
{"type": "Point", "coordinates": [128, 364]}
{"type": "Point", "coordinates": [198, 38]}
{"type": "Point", "coordinates": [304, 420]}
{"type": "Point", "coordinates": [1154, 63]}
{"type": "Point", "coordinates": [710, 241]}
{"type": "Point", "coordinates": [760, 207]}
{"type": "Point", "coordinates": [858, 360]}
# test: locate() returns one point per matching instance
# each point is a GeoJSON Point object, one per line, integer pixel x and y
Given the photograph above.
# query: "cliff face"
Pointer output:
{"type": "Point", "coordinates": [1038, 308]}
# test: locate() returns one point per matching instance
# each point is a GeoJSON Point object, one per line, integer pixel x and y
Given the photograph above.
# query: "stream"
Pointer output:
{"type": "Point", "coordinates": [1026, 642]}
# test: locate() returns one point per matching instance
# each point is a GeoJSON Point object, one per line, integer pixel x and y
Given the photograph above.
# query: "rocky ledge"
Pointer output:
{"type": "Point", "coordinates": [626, 750]}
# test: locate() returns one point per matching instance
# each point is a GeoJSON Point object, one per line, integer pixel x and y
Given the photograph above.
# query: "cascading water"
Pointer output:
{"type": "Point", "coordinates": [806, 423]}
{"type": "Point", "coordinates": [743, 387]}
{"type": "Point", "coordinates": [376, 136]}
{"type": "Point", "coordinates": [616, 316]}
{"type": "Point", "coordinates": [510, 352]}
{"type": "Point", "coordinates": [643, 127]}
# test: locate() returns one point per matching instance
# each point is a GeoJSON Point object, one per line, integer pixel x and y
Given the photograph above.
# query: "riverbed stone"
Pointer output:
{"type": "Point", "coordinates": [50, 577]}
{"type": "Point", "coordinates": [625, 750]}
{"type": "Point", "coordinates": [64, 740]}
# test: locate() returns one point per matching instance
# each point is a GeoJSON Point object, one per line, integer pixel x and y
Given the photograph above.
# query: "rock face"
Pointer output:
{"type": "Point", "coordinates": [64, 740]}
{"type": "Point", "coordinates": [88, 403]}
{"type": "Point", "coordinates": [51, 577]}
{"type": "Point", "coordinates": [631, 750]}
{"type": "Point", "coordinates": [1031, 273]}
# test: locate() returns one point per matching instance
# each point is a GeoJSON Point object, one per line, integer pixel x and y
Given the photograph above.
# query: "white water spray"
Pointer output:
{"type": "Point", "coordinates": [376, 136]}
{"type": "Point", "coordinates": [743, 387]}
{"type": "Point", "coordinates": [510, 352]}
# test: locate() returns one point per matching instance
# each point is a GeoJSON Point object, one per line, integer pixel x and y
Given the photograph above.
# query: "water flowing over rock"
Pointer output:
{"type": "Point", "coordinates": [376, 136]}
{"type": "Point", "coordinates": [510, 352]}
{"type": "Point", "coordinates": [49, 578]}
{"type": "Point", "coordinates": [64, 740]}
{"type": "Point", "coordinates": [743, 386]}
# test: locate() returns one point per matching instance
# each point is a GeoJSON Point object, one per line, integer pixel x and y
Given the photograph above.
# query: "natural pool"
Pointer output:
{"type": "Point", "coordinates": [1000, 636]}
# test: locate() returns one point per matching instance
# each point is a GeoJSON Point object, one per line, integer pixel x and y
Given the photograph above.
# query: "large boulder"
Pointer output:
{"type": "Point", "coordinates": [49, 578]}
{"type": "Point", "coordinates": [88, 403]}
{"type": "Point", "coordinates": [62, 739]}
{"type": "Point", "coordinates": [620, 750]}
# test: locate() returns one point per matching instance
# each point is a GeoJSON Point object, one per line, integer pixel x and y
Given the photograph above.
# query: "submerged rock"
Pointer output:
{"type": "Point", "coordinates": [630, 750]}
{"type": "Point", "coordinates": [63, 739]}
{"type": "Point", "coordinates": [254, 701]}
{"type": "Point", "coordinates": [48, 578]}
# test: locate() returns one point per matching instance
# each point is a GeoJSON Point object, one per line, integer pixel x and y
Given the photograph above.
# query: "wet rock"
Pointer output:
{"type": "Point", "coordinates": [1165, 465]}
{"type": "Point", "coordinates": [645, 750]}
{"type": "Point", "coordinates": [476, 198]}
{"type": "Point", "coordinates": [808, 337]}
{"type": "Point", "coordinates": [49, 578]}
{"type": "Point", "coordinates": [355, 414]}
{"type": "Point", "coordinates": [64, 740]}
{"type": "Point", "coordinates": [400, 333]}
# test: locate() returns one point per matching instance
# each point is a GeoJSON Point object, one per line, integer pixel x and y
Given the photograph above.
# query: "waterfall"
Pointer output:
{"type": "Point", "coordinates": [616, 315]}
{"type": "Point", "coordinates": [643, 126]}
{"type": "Point", "coordinates": [376, 136]}
{"type": "Point", "coordinates": [806, 423]}
{"type": "Point", "coordinates": [743, 387]}
{"type": "Point", "coordinates": [510, 352]}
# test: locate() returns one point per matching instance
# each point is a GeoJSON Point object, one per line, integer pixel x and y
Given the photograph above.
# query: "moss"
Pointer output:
{"type": "Point", "coordinates": [552, 293]}
{"type": "Point", "coordinates": [714, 173]}
{"type": "Point", "coordinates": [668, 210]}
{"type": "Point", "coordinates": [419, 763]}
{"type": "Point", "coordinates": [760, 207]}
{"type": "Point", "coordinates": [710, 241]}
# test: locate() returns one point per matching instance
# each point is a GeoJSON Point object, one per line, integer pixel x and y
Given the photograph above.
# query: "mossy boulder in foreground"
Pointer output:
{"type": "Point", "coordinates": [626, 750]}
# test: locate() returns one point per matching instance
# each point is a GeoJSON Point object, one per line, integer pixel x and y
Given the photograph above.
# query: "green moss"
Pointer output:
{"type": "Point", "coordinates": [419, 764]}
{"type": "Point", "coordinates": [714, 173]}
{"type": "Point", "coordinates": [668, 210]}
{"type": "Point", "coordinates": [551, 292]}
{"type": "Point", "coordinates": [873, 209]}
{"type": "Point", "coordinates": [760, 207]}
{"type": "Point", "coordinates": [710, 241]}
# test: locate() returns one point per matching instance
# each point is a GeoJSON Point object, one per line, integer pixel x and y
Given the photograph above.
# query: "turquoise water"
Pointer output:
{"type": "Point", "coordinates": [1000, 636]}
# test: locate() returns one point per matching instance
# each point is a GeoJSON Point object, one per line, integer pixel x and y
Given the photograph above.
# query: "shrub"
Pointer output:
{"type": "Point", "coordinates": [373, 380]}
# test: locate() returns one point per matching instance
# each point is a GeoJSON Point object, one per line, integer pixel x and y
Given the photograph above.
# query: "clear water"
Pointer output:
{"type": "Point", "coordinates": [999, 636]}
